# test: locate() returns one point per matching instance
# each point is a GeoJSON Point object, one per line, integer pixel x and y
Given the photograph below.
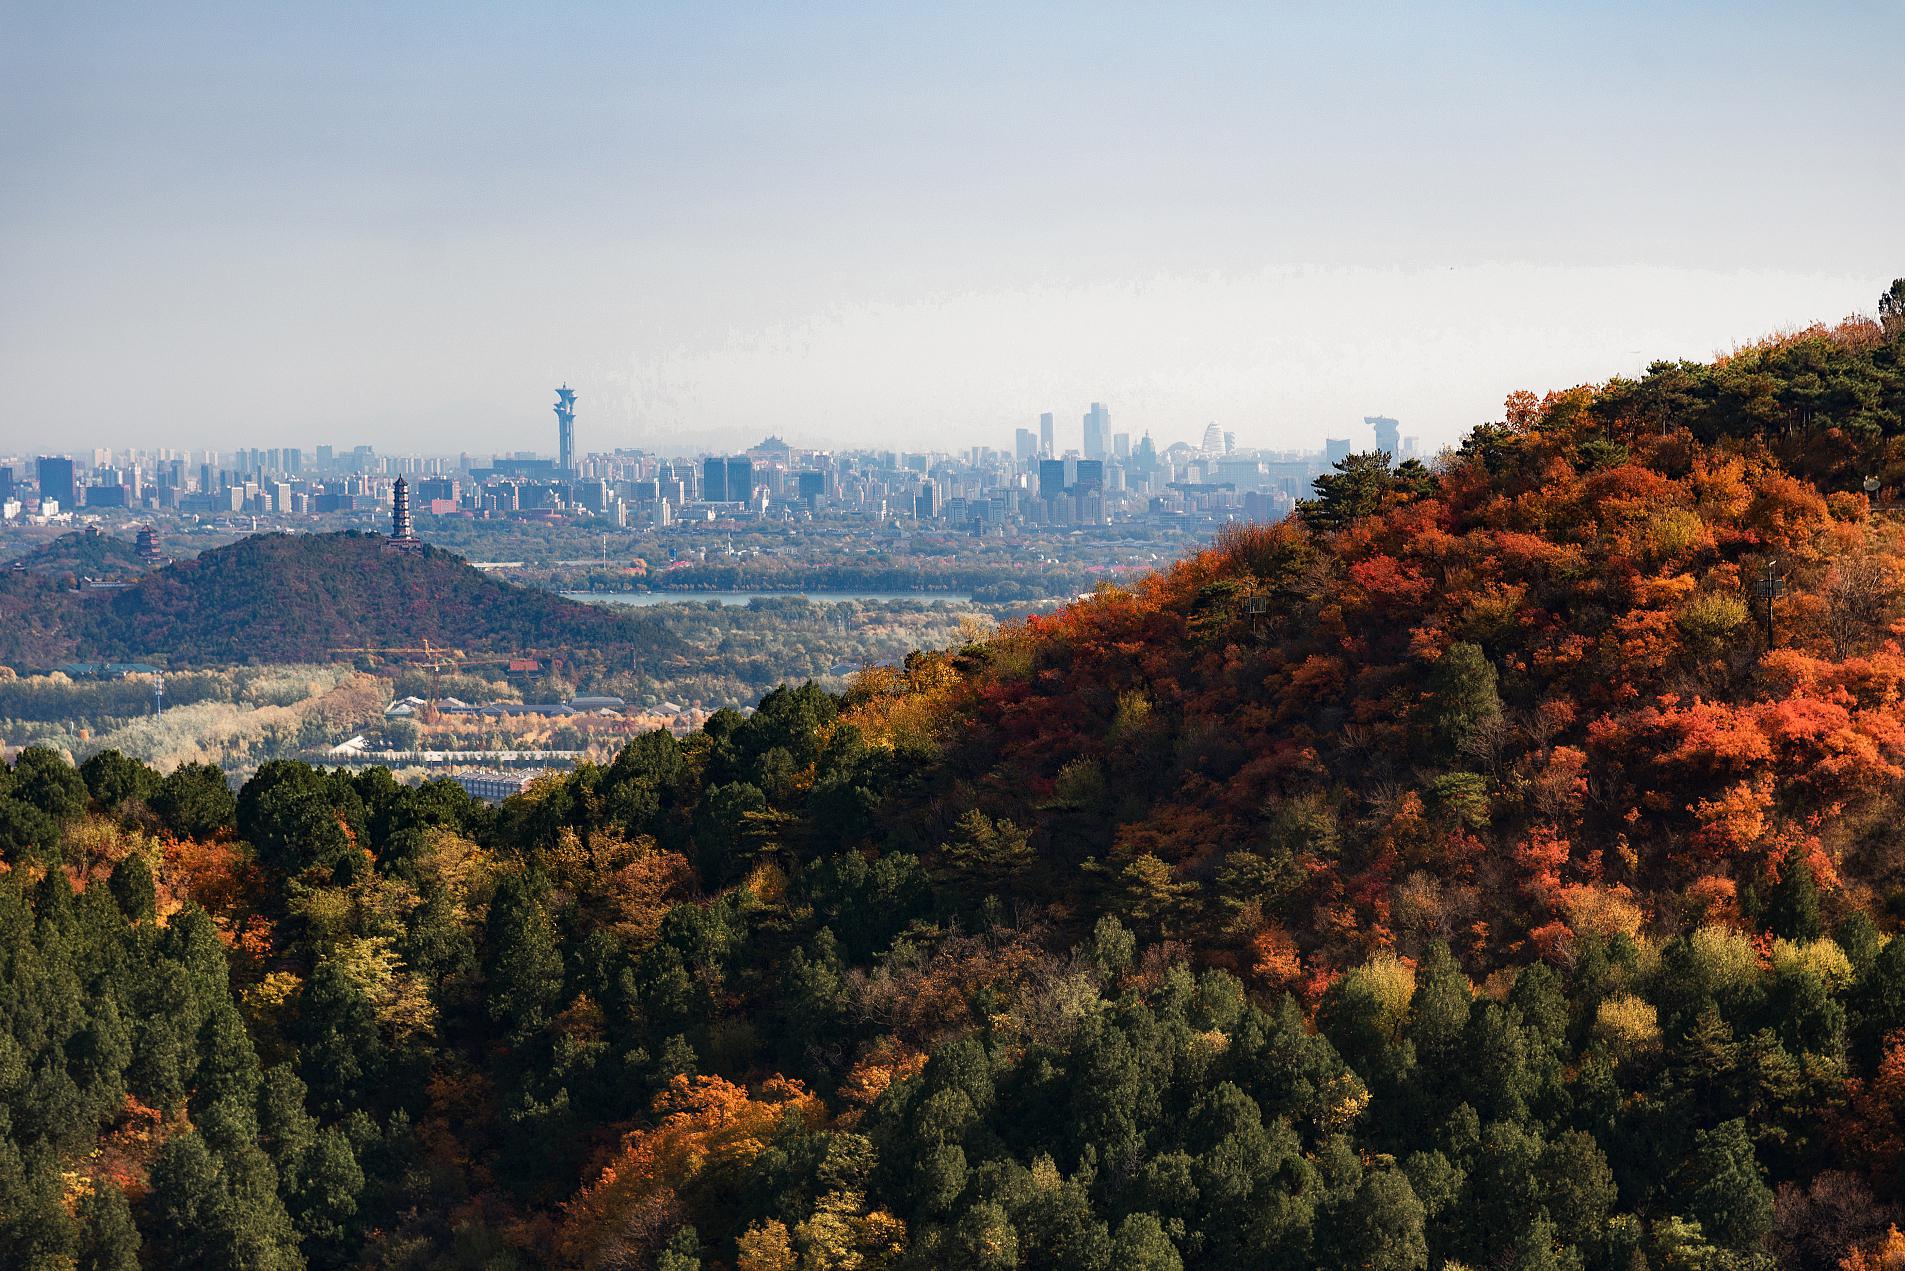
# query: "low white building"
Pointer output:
{"type": "Point", "coordinates": [494, 787]}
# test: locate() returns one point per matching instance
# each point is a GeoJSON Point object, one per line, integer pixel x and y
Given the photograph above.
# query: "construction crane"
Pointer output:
{"type": "Point", "coordinates": [552, 657]}
{"type": "Point", "coordinates": [460, 663]}
{"type": "Point", "coordinates": [437, 659]}
{"type": "Point", "coordinates": [434, 658]}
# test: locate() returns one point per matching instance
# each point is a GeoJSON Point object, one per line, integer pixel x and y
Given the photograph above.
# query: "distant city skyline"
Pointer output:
{"type": "Point", "coordinates": [1092, 439]}
{"type": "Point", "coordinates": [868, 227]}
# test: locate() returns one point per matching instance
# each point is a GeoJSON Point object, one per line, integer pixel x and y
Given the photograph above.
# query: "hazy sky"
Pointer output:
{"type": "Point", "coordinates": [403, 224]}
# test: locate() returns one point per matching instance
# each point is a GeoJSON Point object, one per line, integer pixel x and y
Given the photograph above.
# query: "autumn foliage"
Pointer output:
{"type": "Point", "coordinates": [1496, 863]}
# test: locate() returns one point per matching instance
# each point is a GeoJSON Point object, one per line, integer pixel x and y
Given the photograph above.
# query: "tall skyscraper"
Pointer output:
{"type": "Point", "coordinates": [1097, 431]}
{"type": "Point", "coordinates": [1388, 434]}
{"type": "Point", "coordinates": [740, 479]}
{"type": "Point", "coordinates": [1213, 439]}
{"type": "Point", "coordinates": [1051, 478]}
{"type": "Point", "coordinates": [714, 480]}
{"type": "Point", "coordinates": [1025, 446]}
{"type": "Point", "coordinates": [1045, 435]}
{"type": "Point", "coordinates": [1335, 450]}
{"type": "Point", "coordinates": [565, 429]}
{"type": "Point", "coordinates": [57, 482]}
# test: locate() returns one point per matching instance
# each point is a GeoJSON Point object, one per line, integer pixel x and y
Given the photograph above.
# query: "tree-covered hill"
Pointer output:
{"type": "Point", "coordinates": [1457, 875]}
{"type": "Point", "coordinates": [84, 554]}
{"type": "Point", "coordinates": [295, 597]}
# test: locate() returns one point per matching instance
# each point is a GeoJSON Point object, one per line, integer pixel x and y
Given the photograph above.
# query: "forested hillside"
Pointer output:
{"type": "Point", "coordinates": [84, 554]}
{"type": "Point", "coordinates": [297, 597]}
{"type": "Point", "coordinates": [294, 597]}
{"type": "Point", "coordinates": [1462, 873]}
{"type": "Point", "coordinates": [273, 599]}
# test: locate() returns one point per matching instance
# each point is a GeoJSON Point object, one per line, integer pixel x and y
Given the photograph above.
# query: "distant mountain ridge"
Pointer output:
{"type": "Point", "coordinates": [297, 597]}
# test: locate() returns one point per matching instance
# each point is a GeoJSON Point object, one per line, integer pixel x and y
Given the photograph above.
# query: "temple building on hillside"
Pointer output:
{"type": "Point", "coordinates": [403, 536]}
{"type": "Point", "coordinates": [146, 543]}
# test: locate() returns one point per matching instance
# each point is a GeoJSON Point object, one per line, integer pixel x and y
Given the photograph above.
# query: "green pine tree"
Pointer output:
{"type": "Point", "coordinates": [108, 1240]}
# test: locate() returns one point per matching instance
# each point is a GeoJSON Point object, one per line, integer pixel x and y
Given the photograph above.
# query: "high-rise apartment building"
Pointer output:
{"type": "Point", "coordinates": [593, 494]}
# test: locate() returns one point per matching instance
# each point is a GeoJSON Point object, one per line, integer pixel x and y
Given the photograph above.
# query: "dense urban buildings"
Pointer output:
{"type": "Point", "coordinates": [1038, 482]}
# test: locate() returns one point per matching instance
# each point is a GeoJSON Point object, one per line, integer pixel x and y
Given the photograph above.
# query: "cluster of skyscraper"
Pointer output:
{"type": "Point", "coordinates": [1100, 443]}
{"type": "Point", "coordinates": [981, 490]}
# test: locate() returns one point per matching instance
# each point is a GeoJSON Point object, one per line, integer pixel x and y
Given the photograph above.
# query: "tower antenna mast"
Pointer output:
{"type": "Point", "coordinates": [1770, 587]}
{"type": "Point", "coordinates": [565, 430]}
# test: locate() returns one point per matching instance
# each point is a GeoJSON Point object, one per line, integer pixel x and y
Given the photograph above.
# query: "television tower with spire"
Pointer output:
{"type": "Point", "coordinates": [565, 430]}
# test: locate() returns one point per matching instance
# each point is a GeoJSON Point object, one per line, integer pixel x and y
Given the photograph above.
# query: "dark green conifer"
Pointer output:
{"type": "Point", "coordinates": [1727, 1188]}
{"type": "Point", "coordinates": [108, 1240]}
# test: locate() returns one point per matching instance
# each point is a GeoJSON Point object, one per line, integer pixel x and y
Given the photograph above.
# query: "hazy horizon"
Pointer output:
{"type": "Point", "coordinates": [867, 227]}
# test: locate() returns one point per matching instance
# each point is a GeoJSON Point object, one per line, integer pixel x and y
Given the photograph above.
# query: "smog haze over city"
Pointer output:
{"type": "Point", "coordinates": [231, 224]}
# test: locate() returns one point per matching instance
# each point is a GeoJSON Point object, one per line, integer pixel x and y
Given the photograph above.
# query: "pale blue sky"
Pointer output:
{"type": "Point", "coordinates": [403, 224]}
